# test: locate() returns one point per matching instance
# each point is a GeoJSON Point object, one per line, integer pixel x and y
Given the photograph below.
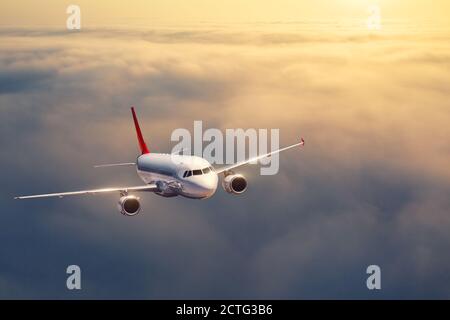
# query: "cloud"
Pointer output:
{"type": "Point", "coordinates": [22, 81]}
{"type": "Point", "coordinates": [370, 187]}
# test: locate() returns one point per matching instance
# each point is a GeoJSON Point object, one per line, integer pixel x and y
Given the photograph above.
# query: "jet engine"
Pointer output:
{"type": "Point", "coordinates": [129, 205]}
{"type": "Point", "coordinates": [234, 183]}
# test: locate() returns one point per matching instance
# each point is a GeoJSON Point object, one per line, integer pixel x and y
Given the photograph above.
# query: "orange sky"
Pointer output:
{"type": "Point", "coordinates": [151, 12]}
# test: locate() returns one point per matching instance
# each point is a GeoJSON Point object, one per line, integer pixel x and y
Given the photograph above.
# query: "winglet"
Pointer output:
{"type": "Point", "coordinates": [142, 145]}
{"type": "Point", "coordinates": [302, 142]}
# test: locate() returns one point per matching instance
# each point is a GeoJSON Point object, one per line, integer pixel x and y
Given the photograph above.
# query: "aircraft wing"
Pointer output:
{"type": "Point", "coordinates": [230, 167]}
{"type": "Point", "coordinates": [148, 187]}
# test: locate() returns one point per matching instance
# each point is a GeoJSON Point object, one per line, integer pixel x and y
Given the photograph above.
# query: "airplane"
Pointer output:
{"type": "Point", "coordinates": [171, 175]}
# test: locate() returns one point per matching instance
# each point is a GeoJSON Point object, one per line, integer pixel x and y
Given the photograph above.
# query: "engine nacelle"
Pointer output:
{"type": "Point", "coordinates": [129, 205]}
{"type": "Point", "coordinates": [234, 183]}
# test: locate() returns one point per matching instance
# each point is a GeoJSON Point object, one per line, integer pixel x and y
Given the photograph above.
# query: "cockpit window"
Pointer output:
{"type": "Point", "coordinates": [197, 172]}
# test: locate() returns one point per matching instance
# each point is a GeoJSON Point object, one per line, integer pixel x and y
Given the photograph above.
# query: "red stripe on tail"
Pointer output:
{"type": "Point", "coordinates": [142, 144]}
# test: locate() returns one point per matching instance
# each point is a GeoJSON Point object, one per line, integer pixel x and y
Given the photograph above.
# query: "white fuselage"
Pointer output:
{"type": "Point", "coordinates": [188, 176]}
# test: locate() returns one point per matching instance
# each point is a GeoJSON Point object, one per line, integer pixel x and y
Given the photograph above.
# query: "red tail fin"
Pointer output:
{"type": "Point", "coordinates": [142, 144]}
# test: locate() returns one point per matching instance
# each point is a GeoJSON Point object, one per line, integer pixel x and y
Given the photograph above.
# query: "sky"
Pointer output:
{"type": "Point", "coordinates": [370, 187]}
{"type": "Point", "coordinates": [173, 12]}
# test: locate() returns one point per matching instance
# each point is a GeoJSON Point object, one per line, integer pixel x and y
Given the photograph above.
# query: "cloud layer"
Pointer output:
{"type": "Point", "coordinates": [371, 186]}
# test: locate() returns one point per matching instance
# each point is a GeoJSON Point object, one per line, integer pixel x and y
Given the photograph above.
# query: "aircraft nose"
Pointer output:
{"type": "Point", "coordinates": [209, 184]}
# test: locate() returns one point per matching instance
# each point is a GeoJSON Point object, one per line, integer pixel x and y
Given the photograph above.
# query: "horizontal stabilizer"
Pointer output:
{"type": "Point", "coordinates": [115, 164]}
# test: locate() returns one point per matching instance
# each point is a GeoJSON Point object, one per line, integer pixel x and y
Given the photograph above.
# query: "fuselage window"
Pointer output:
{"type": "Point", "coordinates": [206, 170]}
{"type": "Point", "coordinates": [197, 172]}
